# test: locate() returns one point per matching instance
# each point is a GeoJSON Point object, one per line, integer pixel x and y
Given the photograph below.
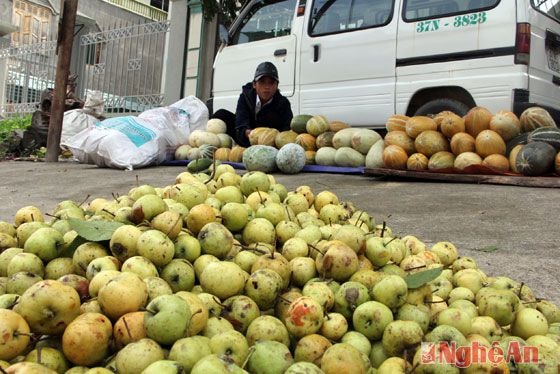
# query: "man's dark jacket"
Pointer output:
{"type": "Point", "coordinates": [276, 114]}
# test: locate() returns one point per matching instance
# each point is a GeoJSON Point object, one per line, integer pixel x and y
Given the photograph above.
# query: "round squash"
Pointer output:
{"type": "Point", "coordinates": [222, 154]}
{"type": "Point", "coordinates": [506, 124]}
{"type": "Point", "coordinates": [291, 159]}
{"type": "Point", "coordinates": [216, 126]}
{"type": "Point", "coordinates": [268, 137]}
{"type": "Point", "coordinates": [476, 120]}
{"type": "Point", "coordinates": [489, 142]}
{"type": "Point", "coordinates": [363, 139]}
{"type": "Point", "coordinates": [346, 156]}
{"type": "Point", "coordinates": [451, 124]}
{"type": "Point", "coordinates": [324, 139]}
{"type": "Point", "coordinates": [317, 125]}
{"type": "Point", "coordinates": [497, 162]}
{"type": "Point", "coordinates": [417, 161]}
{"type": "Point", "coordinates": [336, 126]}
{"type": "Point", "coordinates": [226, 141]}
{"type": "Point", "coordinates": [466, 159]}
{"type": "Point", "coordinates": [343, 137]}
{"type": "Point", "coordinates": [557, 163]}
{"type": "Point", "coordinates": [417, 124]}
{"type": "Point", "coordinates": [535, 117]}
{"type": "Point", "coordinates": [206, 137]}
{"type": "Point", "coordinates": [310, 157]}
{"type": "Point", "coordinates": [299, 123]}
{"type": "Point", "coordinates": [260, 158]}
{"type": "Point", "coordinates": [430, 142]}
{"type": "Point", "coordinates": [400, 138]}
{"type": "Point", "coordinates": [307, 141]}
{"type": "Point", "coordinates": [394, 157]}
{"type": "Point", "coordinates": [285, 137]}
{"type": "Point", "coordinates": [535, 158]}
{"type": "Point", "coordinates": [396, 122]}
{"type": "Point", "coordinates": [236, 154]}
{"type": "Point", "coordinates": [441, 160]}
{"type": "Point", "coordinates": [513, 156]}
{"type": "Point", "coordinates": [462, 142]}
{"type": "Point", "coordinates": [325, 156]}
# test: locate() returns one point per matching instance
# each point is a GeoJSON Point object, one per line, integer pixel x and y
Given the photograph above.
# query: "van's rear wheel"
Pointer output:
{"type": "Point", "coordinates": [438, 105]}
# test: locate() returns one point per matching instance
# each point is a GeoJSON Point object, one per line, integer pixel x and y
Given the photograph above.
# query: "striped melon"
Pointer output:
{"type": "Point", "coordinates": [317, 125]}
{"type": "Point", "coordinates": [536, 158]}
{"type": "Point", "coordinates": [476, 120]}
{"type": "Point", "coordinates": [550, 135]}
{"type": "Point", "coordinates": [535, 117]}
{"type": "Point", "coordinates": [396, 122]}
{"type": "Point", "coordinates": [417, 161]}
{"type": "Point", "coordinates": [441, 160]}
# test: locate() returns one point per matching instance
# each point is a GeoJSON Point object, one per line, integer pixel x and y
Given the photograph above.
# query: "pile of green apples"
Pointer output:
{"type": "Point", "coordinates": [222, 272]}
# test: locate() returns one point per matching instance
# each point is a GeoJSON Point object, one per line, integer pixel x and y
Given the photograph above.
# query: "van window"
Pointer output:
{"type": "Point", "coordinates": [549, 7]}
{"type": "Point", "coordinates": [266, 19]}
{"type": "Point", "coordinates": [415, 10]}
{"type": "Point", "coordinates": [331, 16]}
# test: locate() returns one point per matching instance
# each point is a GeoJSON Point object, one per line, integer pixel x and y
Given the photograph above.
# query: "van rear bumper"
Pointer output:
{"type": "Point", "coordinates": [521, 102]}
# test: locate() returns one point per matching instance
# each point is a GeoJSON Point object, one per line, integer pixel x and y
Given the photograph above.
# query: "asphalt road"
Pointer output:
{"type": "Point", "coordinates": [510, 231]}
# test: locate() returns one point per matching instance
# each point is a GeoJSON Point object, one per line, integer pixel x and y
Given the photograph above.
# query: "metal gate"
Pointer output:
{"type": "Point", "coordinates": [125, 64]}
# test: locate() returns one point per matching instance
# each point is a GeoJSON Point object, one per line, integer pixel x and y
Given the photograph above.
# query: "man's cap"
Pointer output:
{"type": "Point", "coordinates": [266, 69]}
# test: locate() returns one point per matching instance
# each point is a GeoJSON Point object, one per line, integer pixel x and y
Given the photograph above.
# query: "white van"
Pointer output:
{"type": "Point", "coordinates": [361, 61]}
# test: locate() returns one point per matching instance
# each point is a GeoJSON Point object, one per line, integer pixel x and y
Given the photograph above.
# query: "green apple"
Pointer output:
{"type": "Point", "coordinates": [29, 213]}
{"type": "Point", "coordinates": [167, 319]}
{"type": "Point", "coordinates": [457, 318]}
{"type": "Point", "coordinates": [147, 207]}
{"type": "Point", "coordinates": [267, 327]}
{"type": "Point", "coordinates": [169, 222]}
{"type": "Point", "coordinates": [216, 325]}
{"type": "Point", "coordinates": [348, 297]}
{"type": "Point", "coordinates": [240, 311]}
{"type": "Point", "coordinates": [188, 351]}
{"type": "Point", "coordinates": [179, 274]}
{"type": "Point", "coordinates": [157, 286]}
{"type": "Point", "coordinates": [254, 181]}
{"type": "Point", "coordinates": [164, 367]}
{"type": "Point", "coordinates": [49, 357]}
{"type": "Point", "coordinates": [123, 242]}
{"type": "Point", "coordinates": [223, 279]}
{"type": "Point", "coordinates": [390, 290]}
{"type": "Point", "coordinates": [45, 242]}
{"type": "Point", "coordinates": [102, 263]}
{"type": "Point", "coordinates": [137, 356]}
{"type": "Point", "coordinates": [415, 312]}
{"type": "Point", "coordinates": [343, 358]}
{"type": "Point", "coordinates": [140, 266]}
{"type": "Point", "coordinates": [215, 239]}
{"type": "Point", "coordinates": [25, 261]}
{"type": "Point", "coordinates": [58, 267]}
{"type": "Point", "coordinates": [230, 344]}
{"type": "Point", "coordinates": [399, 336]}
{"type": "Point", "coordinates": [187, 247]}
{"type": "Point", "coordinates": [122, 294]}
{"type": "Point", "coordinates": [302, 269]}
{"type": "Point", "coordinates": [371, 318]}
{"type": "Point", "coordinates": [334, 326]}
{"type": "Point", "coordinates": [156, 247]}
{"type": "Point", "coordinates": [264, 286]}
{"type": "Point", "coordinates": [304, 317]}
{"type": "Point", "coordinates": [529, 322]}
{"type": "Point", "coordinates": [19, 282]}
{"type": "Point", "coordinates": [310, 348]}
{"type": "Point", "coordinates": [269, 356]}
{"type": "Point", "coordinates": [234, 216]}
{"type": "Point", "coordinates": [85, 253]}
{"type": "Point", "coordinates": [5, 257]}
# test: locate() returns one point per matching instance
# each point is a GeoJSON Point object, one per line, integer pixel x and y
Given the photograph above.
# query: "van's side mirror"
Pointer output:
{"type": "Point", "coordinates": [223, 34]}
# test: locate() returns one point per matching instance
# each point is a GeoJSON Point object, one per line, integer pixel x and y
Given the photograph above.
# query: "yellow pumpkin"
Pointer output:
{"type": "Point", "coordinates": [236, 154]}
{"type": "Point", "coordinates": [451, 124]}
{"type": "Point", "coordinates": [417, 124]}
{"type": "Point", "coordinates": [268, 137]}
{"type": "Point", "coordinates": [307, 141]}
{"type": "Point", "coordinates": [430, 142]}
{"type": "Point", "coordinates": [394, 157]}
{"type": "Point", "coordinates": [476, 120]}
{"type": "Point", "coordinates": [462, 142]}
{"type": "Point", "coordinates": [255, 133]}
{"type": "Point", "coordinates": [417, 161]}
{"type": "Point", "coordinates": [506, 124]}
{"type": "Point", "coordinates": [222, 154]}
{"type": "Point", "coordinates": [335, 126]}
{"type": "Point", "coordinates": [285, 137]}
{"type": "Point", "coordinates": [396, 122]}
{"type": "Point", "coordinates": [496, 162]}
{"type": "Point", "coordinates": [489, 142]}
{"type": "Point", "coordinates": [400, 138]}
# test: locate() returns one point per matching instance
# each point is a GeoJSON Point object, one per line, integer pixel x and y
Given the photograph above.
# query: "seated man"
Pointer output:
{"type": "Point", "coordinates": [260, 104]}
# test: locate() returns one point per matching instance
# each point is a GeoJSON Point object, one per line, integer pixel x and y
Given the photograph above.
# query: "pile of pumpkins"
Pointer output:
{"type": "Point", "coordinates": [478, 142]}
{"type": "Point", "coordinates": [502, 142]}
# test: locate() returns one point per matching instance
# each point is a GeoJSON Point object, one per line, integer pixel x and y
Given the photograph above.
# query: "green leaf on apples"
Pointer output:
{"type": "Point", "coordinates": [420, 278]}
{"type": "Point", "coordinates": [69, 251]}
{"type": "Point", "coordinates": [94, 231]}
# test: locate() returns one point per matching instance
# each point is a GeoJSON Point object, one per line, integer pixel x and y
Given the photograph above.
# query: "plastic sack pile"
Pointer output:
{"type": "Point", "coordinates": [132, 142]}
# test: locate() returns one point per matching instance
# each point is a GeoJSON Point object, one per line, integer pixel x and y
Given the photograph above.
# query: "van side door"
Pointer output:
{"type": "Point", "coordinates": [263, 32]}
{"type": "Point", "coordinates": [347, 69]}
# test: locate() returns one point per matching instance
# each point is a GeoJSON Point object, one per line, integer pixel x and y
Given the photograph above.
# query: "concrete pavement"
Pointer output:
{"type": "Point", "coordinates": [510, 231]}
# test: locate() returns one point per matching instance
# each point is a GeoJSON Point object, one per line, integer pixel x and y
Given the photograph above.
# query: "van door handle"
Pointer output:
{"type": "Point", "coordinates": [315, 52]}
{"type": "Point", "coordinates": [281, 52]}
